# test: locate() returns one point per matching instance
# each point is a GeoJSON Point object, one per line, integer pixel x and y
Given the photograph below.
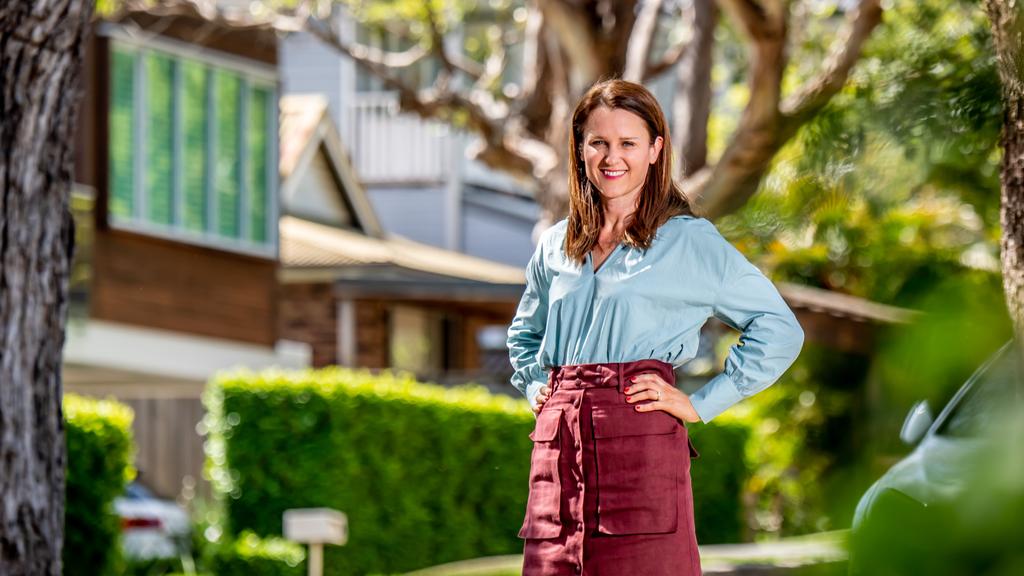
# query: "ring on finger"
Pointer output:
{"type": "Point", "coordinates": [659, 395]}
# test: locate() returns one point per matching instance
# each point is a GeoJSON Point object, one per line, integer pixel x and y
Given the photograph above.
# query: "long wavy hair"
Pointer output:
{"type": "Point", "coordinates": [660, 199]}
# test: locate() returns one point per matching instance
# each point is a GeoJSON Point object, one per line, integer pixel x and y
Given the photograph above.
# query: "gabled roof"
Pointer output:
{"type": "Point", "coordinates": [309, 250]}
{"type": "Point", "coordinates": [307, 130]}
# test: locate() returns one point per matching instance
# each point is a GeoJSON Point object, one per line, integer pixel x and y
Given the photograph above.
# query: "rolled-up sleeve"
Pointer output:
{"type": "Point", "coordinates": [526, 334]}
{"type": "Point", "coordinates": [770, 339]}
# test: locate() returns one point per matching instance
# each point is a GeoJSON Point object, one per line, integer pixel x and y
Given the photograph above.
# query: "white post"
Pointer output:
{"type": "Point", "coordinates": [315, 527]}
{"type": "Point", "coordinates": [316, 559]}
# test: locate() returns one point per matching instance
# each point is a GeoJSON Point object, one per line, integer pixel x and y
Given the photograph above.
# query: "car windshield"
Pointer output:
{"type": "Point", "coordinates": [996, 390]}
{"type": "Point", "coordinates": [136, 491]}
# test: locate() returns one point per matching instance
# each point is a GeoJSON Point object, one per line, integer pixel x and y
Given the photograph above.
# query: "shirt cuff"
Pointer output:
{"type": "Point", "coordinates": [715, 397]}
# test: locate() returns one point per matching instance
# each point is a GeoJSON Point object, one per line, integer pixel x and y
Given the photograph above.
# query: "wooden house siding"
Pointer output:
{"type": "Point", "coordinates": [309, 314]}
{"type": "Point", "coordinates": [163, 284]}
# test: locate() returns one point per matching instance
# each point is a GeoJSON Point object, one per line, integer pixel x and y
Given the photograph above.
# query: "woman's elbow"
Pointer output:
{"type": "Point", "coordinates": [795, 338]}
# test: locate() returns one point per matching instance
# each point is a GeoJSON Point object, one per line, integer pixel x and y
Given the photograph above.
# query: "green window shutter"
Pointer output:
{"type": "Point", "coordinates": [259, 142]}
{"type": "Point", "coordinates": [227, 103]}
{"type": "Point", "coordinates": [195, 81]}
{"type": "Point", "coordinates": [122, 131]}
{"type": "Point", "coordinates": [159, 138]}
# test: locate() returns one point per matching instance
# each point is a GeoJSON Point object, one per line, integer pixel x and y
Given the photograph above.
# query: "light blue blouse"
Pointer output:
{"type": "Point", "coordinates": [652, 305]}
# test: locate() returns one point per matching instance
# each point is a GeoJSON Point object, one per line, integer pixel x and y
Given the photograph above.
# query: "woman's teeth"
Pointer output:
{"type": "Point", "coordinates": [613, 173]}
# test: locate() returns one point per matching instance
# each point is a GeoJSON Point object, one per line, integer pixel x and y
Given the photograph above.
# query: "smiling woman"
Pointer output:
{"type": "Point", "coordinates": [615, 299]}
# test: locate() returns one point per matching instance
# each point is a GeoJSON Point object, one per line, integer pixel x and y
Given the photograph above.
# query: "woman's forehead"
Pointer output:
{"type": "Point", "coordinates": [614, 122]}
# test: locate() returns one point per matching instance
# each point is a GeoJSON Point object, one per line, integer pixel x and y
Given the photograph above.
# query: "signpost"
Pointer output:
{"type": "Point", "coordinates": [316, 527]}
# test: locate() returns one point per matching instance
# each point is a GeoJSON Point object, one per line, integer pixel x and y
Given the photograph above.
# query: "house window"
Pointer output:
{"type": "Point", "coordinates": [192, 149]}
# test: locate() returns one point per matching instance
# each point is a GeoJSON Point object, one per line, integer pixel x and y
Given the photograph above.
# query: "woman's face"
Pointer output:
{"type": "Point", "coordinates": [618, 151]}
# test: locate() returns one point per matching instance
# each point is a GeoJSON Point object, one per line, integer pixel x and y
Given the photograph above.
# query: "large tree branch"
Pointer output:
{"type": "Point", "coordinates": [671, 57]}
{"type": "Point", "coordinates": [449, 61]}
{"type": "Point", "coordinates": [640, 41]}
{"type": "Point", "coordinates": [691, 103]}
{"type": "Point", "coordinates": [766, 125]}
{"type": "Point", "coordinates": [730, 182]}
{"type": "Point", "coordinates": [483, 115]}
{"type": "Point", "coordinates": [749, 14]}
{"type": "Point", "coordinates": [577, 39]}
{"type": "Point", "coordinates": [814, 95]}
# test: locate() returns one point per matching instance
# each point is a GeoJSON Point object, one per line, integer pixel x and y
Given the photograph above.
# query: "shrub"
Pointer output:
{"type": "Point", "coordinates": [100, 454]}
{"type": "Point", "coordinates": [250, 555]}
{"type": "Point", "coordinates": [425, 474]}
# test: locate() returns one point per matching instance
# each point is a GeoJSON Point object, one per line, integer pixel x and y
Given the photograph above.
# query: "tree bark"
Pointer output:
{"type": "Point", "coordinates": [1007, 18]}
{"type": "Point", "coordinates": [41, 51]}
{"type": "Point", "coordinates": [692, 103]}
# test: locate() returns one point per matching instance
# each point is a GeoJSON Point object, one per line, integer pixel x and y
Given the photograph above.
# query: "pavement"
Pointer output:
{"type": "Point", "coordinates": [791, 556]}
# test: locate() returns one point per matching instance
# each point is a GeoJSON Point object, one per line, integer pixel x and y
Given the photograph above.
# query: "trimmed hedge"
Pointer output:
{"type": "Point", "coordinates": [425, 474]}
{"type": "Point", "coordinates": [250, 555]}
{"type": "Point", "coordinates": [100, 453]}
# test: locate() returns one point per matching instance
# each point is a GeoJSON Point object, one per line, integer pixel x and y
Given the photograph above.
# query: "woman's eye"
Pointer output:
{"type": "Point", "coordinates": [628, 144]}
{"type": "Point", "coordinates": [598, 143]}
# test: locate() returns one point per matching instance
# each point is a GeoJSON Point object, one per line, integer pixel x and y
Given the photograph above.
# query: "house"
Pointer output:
{"type": "Point", "coordinates": [214, 231]}
{"type": "Point", "coordinates": [359, 296]}
{"type": "Point", "coordinates": [415, 172]}
{"type": "Point", "coordinates": [176, 205]}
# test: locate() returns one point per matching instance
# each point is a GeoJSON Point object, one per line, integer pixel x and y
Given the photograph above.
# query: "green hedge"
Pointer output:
{"type": "Point", "coordinates": [100, 453]}
{"type": "Point", "coordinates": [425, 474]}
{"type": "Point", "coordinates": [250, 555]}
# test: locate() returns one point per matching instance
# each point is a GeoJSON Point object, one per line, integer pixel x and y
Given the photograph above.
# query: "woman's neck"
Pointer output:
{"type": "Point", "coordinates": [618, 212]}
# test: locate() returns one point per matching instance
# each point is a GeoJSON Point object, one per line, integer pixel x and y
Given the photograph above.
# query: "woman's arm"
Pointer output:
{"type": "Point", "coordinates": [770, 340]}
{"type": "Point", "coordinates": [526, 333]}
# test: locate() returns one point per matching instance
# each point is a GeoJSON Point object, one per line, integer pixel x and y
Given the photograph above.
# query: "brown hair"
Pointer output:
{"type": "Point", "coordinates": [660, 199]}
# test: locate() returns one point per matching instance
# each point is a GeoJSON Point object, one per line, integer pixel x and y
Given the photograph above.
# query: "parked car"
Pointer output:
{"type": "Point", "coordinates": [943, 466]}
{"type": "Point", "coordinates": [151, 527]}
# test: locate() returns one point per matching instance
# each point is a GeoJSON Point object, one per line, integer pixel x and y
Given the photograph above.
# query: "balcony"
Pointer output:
{"type": "Point", "coordinates": [392, 148]}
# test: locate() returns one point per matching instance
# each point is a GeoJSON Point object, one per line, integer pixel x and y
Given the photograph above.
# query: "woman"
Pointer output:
{"type": "Point", "coordinates": [615, 298]}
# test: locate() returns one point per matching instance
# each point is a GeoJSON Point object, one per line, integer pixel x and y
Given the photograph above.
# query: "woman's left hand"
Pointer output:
{"type": "Point", "coordinates": [664, 396]}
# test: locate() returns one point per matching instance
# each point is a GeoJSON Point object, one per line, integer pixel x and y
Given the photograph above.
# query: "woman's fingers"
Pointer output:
{"type": "Point", "coordinates": [542, 397]}
{"type": "Point", "coordinates": [645, 387]}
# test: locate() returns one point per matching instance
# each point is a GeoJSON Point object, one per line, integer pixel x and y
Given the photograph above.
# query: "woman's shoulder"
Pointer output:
{"type": "Point", "coordinates": [690, 226]}
{"type": "Point", "coordinates": [554, 235]}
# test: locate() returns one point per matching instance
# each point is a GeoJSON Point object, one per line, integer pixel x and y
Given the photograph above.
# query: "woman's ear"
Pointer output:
{"type": "Point", "coordinates": [655, 151]}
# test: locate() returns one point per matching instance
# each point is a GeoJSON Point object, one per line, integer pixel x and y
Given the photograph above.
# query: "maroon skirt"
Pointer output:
{"type": "Point", "coordinates": [609, 486]}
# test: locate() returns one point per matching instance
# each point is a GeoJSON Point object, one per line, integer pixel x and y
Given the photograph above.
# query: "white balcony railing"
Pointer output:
{"type": "Point", "coordinates": [389, 147]}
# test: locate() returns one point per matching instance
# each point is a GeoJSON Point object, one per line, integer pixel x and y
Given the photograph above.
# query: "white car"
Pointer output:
{"type": "Point", "coordinates": [151, 527]}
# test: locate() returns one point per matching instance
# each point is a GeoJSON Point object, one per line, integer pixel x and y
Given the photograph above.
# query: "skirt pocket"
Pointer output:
{"type": "Point", "coordinates": [637, 470]}
{"type": "Point", "coordinates": [543, 519]}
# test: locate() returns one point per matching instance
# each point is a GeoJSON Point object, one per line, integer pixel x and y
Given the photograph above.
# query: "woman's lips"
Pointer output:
{"type": "Point", "coordinates": [613, 174]}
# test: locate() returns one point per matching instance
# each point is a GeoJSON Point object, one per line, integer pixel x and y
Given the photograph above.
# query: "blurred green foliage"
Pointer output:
{"type": "Point", "coordinates": [891, 193]}
{"type": "Point", "coordinates": [801, 429]}
{"type": "Point", "coordinates": [100, 453]}
{"type": "Point", "coordinates": [250, 555]}
{"type": "Point", "coordinates": [894, 186]}
{"type": "Point", "coordinates": [425, 474]}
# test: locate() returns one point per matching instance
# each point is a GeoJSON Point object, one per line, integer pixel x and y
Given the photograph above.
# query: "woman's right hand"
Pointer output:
{"type": "Point", "coordinates": [545, 393]}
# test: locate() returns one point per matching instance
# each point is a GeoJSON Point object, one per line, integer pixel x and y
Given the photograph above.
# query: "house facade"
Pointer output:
{"type": "Point", "coordinates": [176, 205]}
{"type": "Point", "coordinates": [359, 296]}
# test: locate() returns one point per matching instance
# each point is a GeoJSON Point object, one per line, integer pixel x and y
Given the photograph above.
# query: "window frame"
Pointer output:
{"type": "Point", "coordinates": [253, 75]}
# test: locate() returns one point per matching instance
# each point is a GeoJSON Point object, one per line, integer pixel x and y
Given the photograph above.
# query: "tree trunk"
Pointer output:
{"type": "Point", "coordinates": [1008, 32]}
{"type": "Point", "coordinates": [41, 51]}
{"type": "Point", "coordinates": [1011, 214]}
{"type": "Point", "coordinates": [692, 103]}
